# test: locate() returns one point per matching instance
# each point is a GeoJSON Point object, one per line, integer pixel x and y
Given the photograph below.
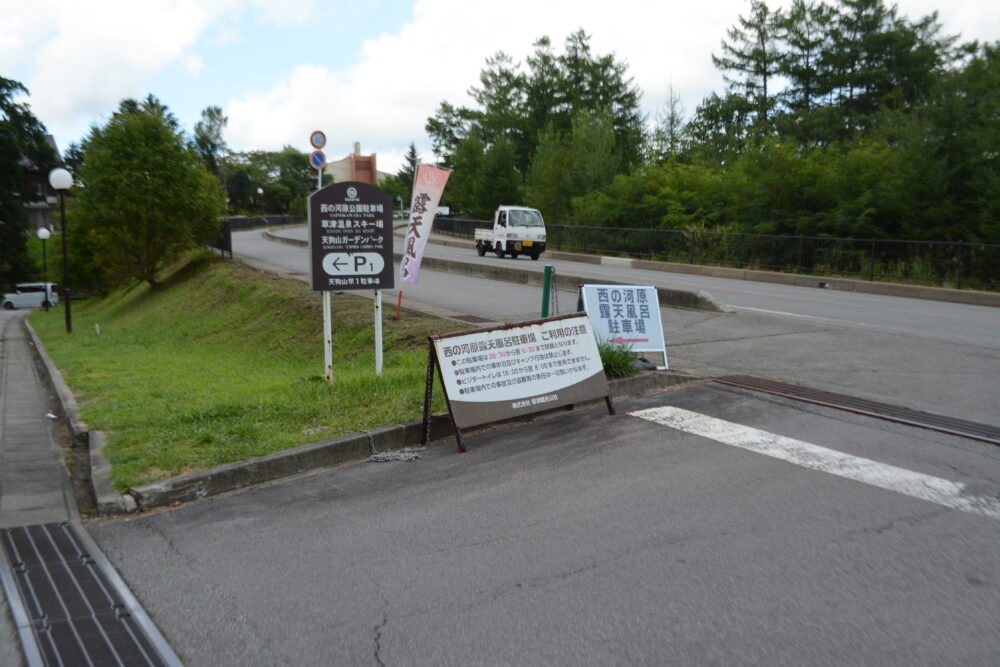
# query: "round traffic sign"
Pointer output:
{"type": "Point", "coordinates": [317, 139]}
{"type": "Point", "coordinates": [317, 159]}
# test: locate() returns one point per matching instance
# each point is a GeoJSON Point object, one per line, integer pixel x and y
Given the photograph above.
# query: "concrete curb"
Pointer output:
{"type": "Point", "coordinates": [669, 297]}
{"type": "Point", "coordinates": [77, 428]}
{"type": "Point", "coordinates": [328, 453]}
{"type": "Point", "coordinates": [352, 448]}
{"type": "Point", "coordinates": [107, 498]}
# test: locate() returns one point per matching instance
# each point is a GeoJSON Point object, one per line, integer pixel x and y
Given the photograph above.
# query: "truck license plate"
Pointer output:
{"type": "Point", "coordinates": [526, 243]}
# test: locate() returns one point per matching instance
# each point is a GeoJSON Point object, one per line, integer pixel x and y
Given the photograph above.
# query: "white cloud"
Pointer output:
{"type": "Point", "coordinates": [385, 98]}
{"type": "Point", "coordinates": [82, 58]}
{"type": "Point", "coordinates": [79, 59]}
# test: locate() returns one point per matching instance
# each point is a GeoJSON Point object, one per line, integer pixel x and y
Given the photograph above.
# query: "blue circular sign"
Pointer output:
{"type": "Point", "coordinates": [317, 159]}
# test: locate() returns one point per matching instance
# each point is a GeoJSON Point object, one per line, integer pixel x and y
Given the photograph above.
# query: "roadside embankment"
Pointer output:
{"type": "Point", "coordinates": [209, 384]}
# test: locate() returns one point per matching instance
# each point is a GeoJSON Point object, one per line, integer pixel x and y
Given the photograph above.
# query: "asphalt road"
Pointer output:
{"type": "Point", "coordinates": [583, 538]}
{"type": "Point", "coordinates": [589, 539]}
{"type": "Point", "coordinates": [934, 356]}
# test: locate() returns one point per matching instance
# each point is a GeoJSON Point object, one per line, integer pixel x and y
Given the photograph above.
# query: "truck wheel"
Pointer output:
{"type": "Point", "coordinates": [480, 248]}
{"type": "Point", "coordinates": [8, 305]}
{"type": "Point", "coordinates": [499, 250]}
{"type": "Point", "coordinates": [534, 257]}
{"type": "Point", "coordinates": [513, 254]}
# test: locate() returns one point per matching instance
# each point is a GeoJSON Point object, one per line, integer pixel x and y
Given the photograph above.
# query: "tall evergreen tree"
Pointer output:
{"type": "Point", "coordinates": [208, 140]}
{"type": "Point", "coordinates": [408, 172]}
{"type": "Point", "coordinates": [517, 105]}
{"type": "Point", "coordinates": [751, 60]}
{"type": "Point", "coordinates": [667, 139]}
{"type": "Point", "coordinates": [22, 147]}
{"type": "Point", "coordinates": [802, 31]}
{"type": "Point", "coordinates": [949, 155]}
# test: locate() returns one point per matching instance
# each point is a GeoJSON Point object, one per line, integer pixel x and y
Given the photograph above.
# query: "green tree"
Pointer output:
{"type": "Point", "coordinates": [949, 155]}
{"type": "Point", "coordinates": [208, 140]}
{"type": "Point", "coordinates": [720, 128]}
{"type": "Point", "coordinates": [601, 84]}
{"type": "Point", "coordinates": [751, 60]}
{"type": "Point", "coordinates": [667, 139]}
{"type": "Point", "coordinates": [498, 181]}
{"type": "Point", "coordinates": [548, 186]}
{"type": "Point", "coordinates": [802, 30]}
{"type": "Point", "coordinates": [408, 172]}
{"type": "Point", "coordinates": [22, 147]}
{"type": "Point", "coordinates": [269, 182]}
{"type": "Point", "coordinates": [875, 59]}
{"type": "Point", "coordinates": [517, 106]}
{"type": "Point", "coordinates": [395, 188]}
{"type": "Point", "coordinates": [463, 190]}
{"type": "Point", "coordinates": [146, 196]}
{"type": "Point", "coordinates": [571, 165]}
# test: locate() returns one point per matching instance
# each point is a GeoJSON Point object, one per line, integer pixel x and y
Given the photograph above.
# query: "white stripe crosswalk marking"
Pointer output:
{"type": "Point", "coordinates": [918, 485]}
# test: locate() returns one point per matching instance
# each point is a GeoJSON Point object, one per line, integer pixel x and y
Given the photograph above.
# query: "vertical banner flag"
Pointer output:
{"type": "Point", "coordinates": [428, 184]}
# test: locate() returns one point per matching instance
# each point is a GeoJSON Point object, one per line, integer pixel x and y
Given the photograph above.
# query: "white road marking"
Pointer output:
{"type": "Point", "coordinates": [917, 485]}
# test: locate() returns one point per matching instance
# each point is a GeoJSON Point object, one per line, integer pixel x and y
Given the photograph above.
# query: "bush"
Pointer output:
{"type": "Point", "coordinates": [617, 359]}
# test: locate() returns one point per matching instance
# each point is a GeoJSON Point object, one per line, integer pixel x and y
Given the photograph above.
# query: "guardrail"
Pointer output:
{"type": "Point", "coordinates": [956, 264]}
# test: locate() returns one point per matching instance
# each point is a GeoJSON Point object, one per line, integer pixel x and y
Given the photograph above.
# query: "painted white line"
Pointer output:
{"type": "Point", "coordinates": [917, 485]}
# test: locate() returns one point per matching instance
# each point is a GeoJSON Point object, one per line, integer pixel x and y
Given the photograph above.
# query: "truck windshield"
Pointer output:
{"type": "Point", "coordinates": [525, 218]}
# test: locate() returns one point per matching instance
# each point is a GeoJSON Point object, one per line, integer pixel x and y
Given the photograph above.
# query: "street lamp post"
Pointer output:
{"type": "Point", "coordinates": [61, 180]}
{"type": "Point", "coordinates": [43, 234]}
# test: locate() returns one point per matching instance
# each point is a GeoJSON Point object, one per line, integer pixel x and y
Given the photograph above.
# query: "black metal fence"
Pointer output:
{"type": "Point", "coordinates": [974, 265]}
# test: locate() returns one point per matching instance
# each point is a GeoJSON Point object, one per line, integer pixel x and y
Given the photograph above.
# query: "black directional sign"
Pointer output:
{"type": "Point", "coordinates": [350, 237]}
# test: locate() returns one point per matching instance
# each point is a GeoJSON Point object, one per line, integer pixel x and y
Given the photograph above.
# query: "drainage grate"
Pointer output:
{"type": "Point", "coordinates": [861, 406]}
{"type": "Point", "coordinates": [70, 606]}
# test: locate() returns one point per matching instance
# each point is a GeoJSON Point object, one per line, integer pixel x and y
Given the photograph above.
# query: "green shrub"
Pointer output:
{"type": "Point", "coordinates": [617, 359]}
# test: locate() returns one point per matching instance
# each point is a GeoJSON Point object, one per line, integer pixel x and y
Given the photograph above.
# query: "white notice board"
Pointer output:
{"type": "Point", "coordinates": [494, 374]}
{"type": "Point", "coordinates": [628, 315]}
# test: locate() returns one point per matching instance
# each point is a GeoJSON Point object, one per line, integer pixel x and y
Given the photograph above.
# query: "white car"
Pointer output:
{"type": "Point", "coordinates": [31, 295]}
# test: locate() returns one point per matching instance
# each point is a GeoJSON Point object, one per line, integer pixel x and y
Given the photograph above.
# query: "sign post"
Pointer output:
{"type": "Point", "coordinates": [350, 248]}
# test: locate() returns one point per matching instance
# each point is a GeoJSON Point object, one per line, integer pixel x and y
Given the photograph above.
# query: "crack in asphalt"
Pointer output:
{"type": "Point", "coordinates": [379, 629]}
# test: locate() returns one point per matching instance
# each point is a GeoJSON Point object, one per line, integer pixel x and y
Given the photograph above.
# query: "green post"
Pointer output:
{"type": "Point", "coordinates": [546, 286]}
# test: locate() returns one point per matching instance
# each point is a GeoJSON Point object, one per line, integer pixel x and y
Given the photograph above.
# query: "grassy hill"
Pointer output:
{"type": "Point", "coordinates": [223, 362]}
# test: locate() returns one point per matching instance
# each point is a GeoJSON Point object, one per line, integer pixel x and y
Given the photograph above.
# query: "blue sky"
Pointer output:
{"type": "Point", "coordinates": [369, 70]}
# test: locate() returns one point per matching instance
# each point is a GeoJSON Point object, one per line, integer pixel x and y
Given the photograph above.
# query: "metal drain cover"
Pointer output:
{"type": "Point", "coordinates": [70, 606]}
{"type": "Point", "coordinates": [862, 406]}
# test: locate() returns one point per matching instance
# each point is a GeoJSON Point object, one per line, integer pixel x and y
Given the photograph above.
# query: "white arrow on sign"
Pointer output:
{"type": "Point", "coordinates": [353, 264]}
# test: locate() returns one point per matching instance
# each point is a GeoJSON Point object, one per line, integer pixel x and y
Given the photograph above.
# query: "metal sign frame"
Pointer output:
{"type": "Point", "coordinates": [626, 315]}
{"type": "Point", "coordinates": [532, 367]}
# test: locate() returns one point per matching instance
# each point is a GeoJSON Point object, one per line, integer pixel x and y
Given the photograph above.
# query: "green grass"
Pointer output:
{"type": "Point", "coordinates": [617, 359]}
{"type": "Point", "coordinates": [222, 363]}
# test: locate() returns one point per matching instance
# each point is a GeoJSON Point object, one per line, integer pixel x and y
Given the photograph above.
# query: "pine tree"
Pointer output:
{"type": "Point", "coordinates": [751, 60]}
{"type": "Point", "coordinates": [667, 140]}
{"type": "Point", "coordinates": [408, 172]}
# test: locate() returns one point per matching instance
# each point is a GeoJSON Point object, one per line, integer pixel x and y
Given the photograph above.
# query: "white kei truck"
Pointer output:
{"type": "Point", "coordinates": [516, 231]}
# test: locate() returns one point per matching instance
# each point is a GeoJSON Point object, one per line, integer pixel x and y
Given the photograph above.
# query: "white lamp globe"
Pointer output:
{"type": "Point", "coordinates": [44, 233]}
{"type": "Point", "coordinates": [60, 179]}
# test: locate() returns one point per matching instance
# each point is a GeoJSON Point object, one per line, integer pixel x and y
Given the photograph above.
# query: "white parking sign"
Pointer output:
{"type": "Point", "coordinates": [627, 315]}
